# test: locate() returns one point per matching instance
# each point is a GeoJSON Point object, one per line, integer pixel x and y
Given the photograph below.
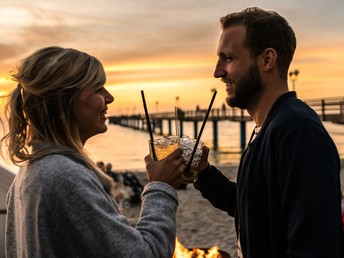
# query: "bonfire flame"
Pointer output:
{"type": "Point", "coordinates": [182, 252]}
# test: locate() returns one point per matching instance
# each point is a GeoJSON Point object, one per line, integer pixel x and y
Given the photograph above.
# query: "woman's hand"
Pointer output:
{"type": "Point", "coordinates": [168, 170]}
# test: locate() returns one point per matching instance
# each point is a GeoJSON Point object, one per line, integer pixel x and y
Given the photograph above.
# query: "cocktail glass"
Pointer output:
{"type": "Point", "coordinates": [163, 146]}
{"type": "Point", "coordinates": [187, 144]}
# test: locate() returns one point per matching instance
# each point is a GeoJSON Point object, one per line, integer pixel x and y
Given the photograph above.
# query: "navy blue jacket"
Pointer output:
{"type": "Point", "coordinates": [287, 199]}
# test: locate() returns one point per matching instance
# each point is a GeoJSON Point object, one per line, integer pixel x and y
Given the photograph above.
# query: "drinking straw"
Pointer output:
{"type": "Point", "coordinates": [148, 125]}
{"type": "Point", "coordinates": [201, 131]}
{"type": "Point", "coordinates": [176, 121]}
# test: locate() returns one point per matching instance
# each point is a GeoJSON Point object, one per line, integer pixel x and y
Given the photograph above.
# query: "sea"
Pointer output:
{"type": "Point", "coordinates": [125, 148]}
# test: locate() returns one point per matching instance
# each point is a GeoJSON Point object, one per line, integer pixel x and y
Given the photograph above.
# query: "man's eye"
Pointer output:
{"type": "Point", "coordinates": [228, 59]}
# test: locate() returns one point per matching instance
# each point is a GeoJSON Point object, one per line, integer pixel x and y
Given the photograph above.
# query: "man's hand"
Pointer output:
{"type": "Point", "coordinates": [203, 164]}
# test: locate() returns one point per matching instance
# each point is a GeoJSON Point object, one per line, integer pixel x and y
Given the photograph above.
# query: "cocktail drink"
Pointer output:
{"type": "Point", "coordinates": [163, 146]}
{"type": "Point", "coordinates": [187, 144]}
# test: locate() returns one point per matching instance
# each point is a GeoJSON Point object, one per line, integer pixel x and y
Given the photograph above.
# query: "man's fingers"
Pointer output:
{"type": "Point", "coordinates": [205, 152]}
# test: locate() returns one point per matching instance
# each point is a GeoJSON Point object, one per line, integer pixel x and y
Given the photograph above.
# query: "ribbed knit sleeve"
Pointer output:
{"type": "Point", "coordinates": [58, 208]}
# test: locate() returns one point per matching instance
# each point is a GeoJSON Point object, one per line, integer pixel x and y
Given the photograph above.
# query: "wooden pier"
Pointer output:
{"type": "Point", "coordinates": [139, 122]}
{"type": "Point", "coordinates": [329, 109]}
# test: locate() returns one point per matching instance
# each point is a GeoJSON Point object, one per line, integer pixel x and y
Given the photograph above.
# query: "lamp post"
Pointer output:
{"type": "Point", "coordinates": [156, 106]}
{"type": "Point", "coordinates": [213, 90]}
{"type": "Point", "coordinates": [293, 76]}
{"type": "Point", "coordinates": [177, 101]}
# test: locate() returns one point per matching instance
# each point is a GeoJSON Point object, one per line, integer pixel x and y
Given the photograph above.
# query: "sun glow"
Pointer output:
{"type": "Point", "coordinates": [169, 56]}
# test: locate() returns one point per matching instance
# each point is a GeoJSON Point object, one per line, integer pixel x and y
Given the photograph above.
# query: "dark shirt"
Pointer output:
{"type": "Point", "coordinates": [287, 199]}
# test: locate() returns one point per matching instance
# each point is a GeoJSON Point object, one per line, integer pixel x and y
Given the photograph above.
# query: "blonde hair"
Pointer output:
{"type": "Point", "coordinates": [39, 110]}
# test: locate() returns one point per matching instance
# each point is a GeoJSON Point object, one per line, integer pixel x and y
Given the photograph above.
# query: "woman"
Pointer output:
{"type": "Point", "coordinates": [60, 204]}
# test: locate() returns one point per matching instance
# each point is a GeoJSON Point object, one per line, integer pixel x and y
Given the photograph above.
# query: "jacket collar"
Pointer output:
{"type": "Point", "coordinates": [279, 102]}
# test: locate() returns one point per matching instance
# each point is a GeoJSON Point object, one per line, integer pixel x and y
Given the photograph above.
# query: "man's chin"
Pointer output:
{"type": "Point", "coordinates": [234, 102]}
{"type": "Point", "coordinates": [230, 101]}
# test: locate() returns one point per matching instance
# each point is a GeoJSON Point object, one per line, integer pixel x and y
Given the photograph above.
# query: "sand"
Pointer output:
{"type": "Point", "coordinates": [199, 224]}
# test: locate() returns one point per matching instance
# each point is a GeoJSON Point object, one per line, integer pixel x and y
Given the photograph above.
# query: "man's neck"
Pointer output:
{"type": "Point", "coordinates": [261, 108]}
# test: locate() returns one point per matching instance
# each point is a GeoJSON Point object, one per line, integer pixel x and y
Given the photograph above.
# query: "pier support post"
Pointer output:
{"type": "Point", "coordinates": [153, 125]}
{"type": "Point", "coordinates": [242, 135]}
{"type": "Point", "coordinates": [143, 122]}
{"type": "Point", "coordinates": [169, 126]}
{"type": "Point", "coordinates": [181, 133]}
{"type": "Point", "coordinates": [160, 126]}
{"type": "Point", "coordinates": [195, 129]}
{"type": "Point", "coordinates": [323, 110]}
{"type": "Point", "coordinates": [215, 133]}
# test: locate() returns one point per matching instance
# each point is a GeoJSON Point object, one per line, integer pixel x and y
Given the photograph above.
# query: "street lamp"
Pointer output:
{"type": "Point", "coordinates": [293, 76]}
{"type": "Point", "coordinates": [156, 106]}
{"type": "Point", "coordinates": [177, 101]}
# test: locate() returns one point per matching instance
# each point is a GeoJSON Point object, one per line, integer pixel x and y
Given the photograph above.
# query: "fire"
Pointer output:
{"type": "Point", "coordinates": [182, 252]}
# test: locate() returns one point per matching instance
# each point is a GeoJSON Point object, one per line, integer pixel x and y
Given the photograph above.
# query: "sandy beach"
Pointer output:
{"type": "Point", "coordinates": [199, 224]}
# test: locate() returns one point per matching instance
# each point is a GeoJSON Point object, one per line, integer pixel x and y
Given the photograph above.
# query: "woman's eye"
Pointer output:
{"type": "Point", "coordinates": [99, 90]}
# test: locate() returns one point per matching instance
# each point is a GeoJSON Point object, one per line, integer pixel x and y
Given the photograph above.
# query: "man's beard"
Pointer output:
{"type": "Point", "coordinates": [247, 89]}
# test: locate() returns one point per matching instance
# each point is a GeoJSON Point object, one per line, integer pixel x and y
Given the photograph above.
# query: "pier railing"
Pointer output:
{"type": "Point", "coordinates": [233, 114]}
{"type": "Point", "coordinates": [328, 109]}
{"type": "Point", "coordinates": [138, 121]}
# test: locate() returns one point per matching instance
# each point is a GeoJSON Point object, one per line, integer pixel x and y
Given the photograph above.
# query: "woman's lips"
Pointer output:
{"type": "Point", "coordinates": [103, 114]}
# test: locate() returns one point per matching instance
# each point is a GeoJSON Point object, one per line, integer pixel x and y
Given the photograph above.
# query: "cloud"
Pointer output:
{"type": "Point", "coordinates": [160, 74]}
{"type": "Point", "coordinates": [168, 34]}
{"type": "Point", "coordinates": [7, 52]}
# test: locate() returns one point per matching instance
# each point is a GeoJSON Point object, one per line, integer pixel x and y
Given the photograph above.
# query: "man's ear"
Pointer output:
{"type": "Point", "coordinates": [269, 59]}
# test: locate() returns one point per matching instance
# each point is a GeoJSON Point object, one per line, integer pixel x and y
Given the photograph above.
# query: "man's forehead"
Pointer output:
{"type": "Point", "coordinates": [234, 33]}
{"type": "Point", "coordinates": [232, 37]}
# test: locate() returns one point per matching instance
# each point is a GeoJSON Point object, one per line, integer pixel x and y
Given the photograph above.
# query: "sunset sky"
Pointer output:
{"type": "Point", "coordinates": [168, 47]}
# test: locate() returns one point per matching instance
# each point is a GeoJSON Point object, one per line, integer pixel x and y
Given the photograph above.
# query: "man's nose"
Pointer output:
{"type": "Point", "coordinates": [219, 71]}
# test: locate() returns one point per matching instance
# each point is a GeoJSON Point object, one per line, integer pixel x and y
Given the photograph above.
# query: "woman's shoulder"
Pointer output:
{"type": "Point", "coordinates": [54, 162]}
{"type": "Point", "coordinates": [58, 168]}
{"type": "Point", "coordinates": [60, 182]}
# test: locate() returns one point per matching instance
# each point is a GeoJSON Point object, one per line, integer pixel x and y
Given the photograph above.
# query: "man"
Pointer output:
{"type": "Point", "coordinates": [286, 200]}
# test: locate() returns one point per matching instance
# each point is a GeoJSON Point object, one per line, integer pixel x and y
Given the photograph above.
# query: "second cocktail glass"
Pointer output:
{"type": "Point", "coordinates": [164, 146]}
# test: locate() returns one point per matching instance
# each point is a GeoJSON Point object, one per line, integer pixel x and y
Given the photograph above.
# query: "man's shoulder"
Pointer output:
{"type": "Point", "coordinates": [294, 113]}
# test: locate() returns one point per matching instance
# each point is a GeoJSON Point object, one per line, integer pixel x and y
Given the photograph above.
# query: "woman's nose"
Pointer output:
{"type": "Point", "coordinates": [108, 97]}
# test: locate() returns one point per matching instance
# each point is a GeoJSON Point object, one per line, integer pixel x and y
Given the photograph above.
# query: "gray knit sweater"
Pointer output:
{"type": "Point", "coordinates": [58, 208]}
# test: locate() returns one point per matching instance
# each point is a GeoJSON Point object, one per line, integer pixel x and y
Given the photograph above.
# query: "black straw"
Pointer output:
{"type": "Point", "coordinates": [201, 131]}
{"type": "Point", "coordinates": [148, 125]}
